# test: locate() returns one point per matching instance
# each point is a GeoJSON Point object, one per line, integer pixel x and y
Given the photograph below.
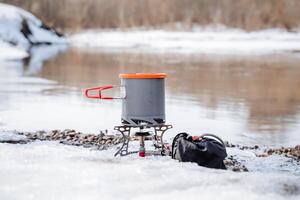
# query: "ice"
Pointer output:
{"type": "Point", "coordinates": [48, 170]}
{"type": "Point", "coordinates": [10, 136]}
{"type": "Point", "coordinates": [12, 82]}
{"type": "Point", "coordinates": [47, 112]}
{"type": "Point", "coordinates": [273, 163]}
{"type": "Point", "coordinates": [202, 40]}
{"type": "Point", "coordinates": [9, 52]}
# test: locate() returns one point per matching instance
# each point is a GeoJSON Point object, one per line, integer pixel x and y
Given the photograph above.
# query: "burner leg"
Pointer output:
{"type": "Point", "coordinates": [158, 136]}
{"type": "Point", "coordinates": [125, 131]}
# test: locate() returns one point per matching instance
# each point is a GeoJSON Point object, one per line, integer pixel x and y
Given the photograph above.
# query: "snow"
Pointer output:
{"type": "Point", "coordinates": [11, 19]}
{"type": "Point", "coordinates": [201, 40]}
{"type": "Point", "coordinates": [48, 170]}
{"type": "Point", "coordinates": [13, 43]}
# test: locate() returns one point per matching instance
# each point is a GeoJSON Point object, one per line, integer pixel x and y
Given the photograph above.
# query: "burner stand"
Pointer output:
{"type": "Point", "coordinates": [157, 139]}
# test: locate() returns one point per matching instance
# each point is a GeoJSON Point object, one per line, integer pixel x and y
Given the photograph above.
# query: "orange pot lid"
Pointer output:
{"type": "Point", "coordinates": [143, 75]}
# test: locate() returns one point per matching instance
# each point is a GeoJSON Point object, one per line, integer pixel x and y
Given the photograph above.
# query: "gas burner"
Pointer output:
{"type": "Point", "coordinates": [157, 138]}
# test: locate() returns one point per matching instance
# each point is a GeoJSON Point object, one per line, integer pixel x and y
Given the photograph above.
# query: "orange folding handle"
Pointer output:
{"type": "Point", "coordinates": [100, 95]}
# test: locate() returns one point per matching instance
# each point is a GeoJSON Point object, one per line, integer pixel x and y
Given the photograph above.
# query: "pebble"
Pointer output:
{"type": "Point", "coordinates": [262, 155]}
{"type": "Point", "coordinates": [293, 152]}
{"type": "Point", "coordinates": [230, 145]}
{"type": "Point", "coordinates": [233, 164]}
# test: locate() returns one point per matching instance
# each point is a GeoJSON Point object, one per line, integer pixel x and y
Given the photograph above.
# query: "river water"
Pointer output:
{"type": "Point", "coordinates": [244, 99]}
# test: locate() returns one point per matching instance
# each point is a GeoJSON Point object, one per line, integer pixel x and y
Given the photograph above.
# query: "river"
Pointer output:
{"type": "Point", "coordinates": [246, 99]}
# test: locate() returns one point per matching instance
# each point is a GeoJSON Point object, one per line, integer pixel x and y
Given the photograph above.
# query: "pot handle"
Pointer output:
{"type": "Point", "coordinates": [100, 95]}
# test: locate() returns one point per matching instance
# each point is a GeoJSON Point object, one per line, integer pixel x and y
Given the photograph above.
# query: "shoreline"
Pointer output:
{"type": "Point", "coordinates": [105, 140]}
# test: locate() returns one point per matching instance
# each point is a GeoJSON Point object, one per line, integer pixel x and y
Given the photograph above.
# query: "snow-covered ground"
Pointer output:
{"type": "Point", "coordinates": [219, 40]}
{"type": "Point", "coordinates": [48, 170]}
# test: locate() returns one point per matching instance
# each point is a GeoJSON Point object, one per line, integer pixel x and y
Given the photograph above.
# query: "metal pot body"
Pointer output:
{"type": "Point", "coordinates": [144, 102]}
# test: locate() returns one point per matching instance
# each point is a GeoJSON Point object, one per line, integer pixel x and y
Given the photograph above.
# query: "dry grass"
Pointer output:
{"type": "Point", "coordinates": [247, 14]}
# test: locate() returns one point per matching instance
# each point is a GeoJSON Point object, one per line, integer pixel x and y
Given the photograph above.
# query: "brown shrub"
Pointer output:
{"type": "Point", "coordinates": [247, 14]}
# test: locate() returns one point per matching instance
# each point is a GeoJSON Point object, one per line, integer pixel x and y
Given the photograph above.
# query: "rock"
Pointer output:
{"type": "Point", "coordinates": [228, 162]}
{"type": "Point", "coordinates": [117, 140]}
{"type": "Point", "coordinates": [291, 189]}
{"type": "Point", "coordinates": [263, 155]}
{"type": "Point", "coordinates": [270, 151]}
{"type": "Point", "coordinates": [69, 137]}
{"type": "Point", "coordinates": [69, 131]}
{"type": "Point", "coordinates": [41, 134]}
{"type": "Point", "coordinates": [107, 137]}
{"type": "Point", "coordinates": [235, 169]}
{"type": "Point", "coordinates": [72, 133]}
{"type": "Point", "coordinates": [91, 138]}
{"type": "Point", "coordinates": [102, 142]}
{"type": "Point", "coordinates": [53, 132]}
{"type": "Point", "coordinates": [27, 134]}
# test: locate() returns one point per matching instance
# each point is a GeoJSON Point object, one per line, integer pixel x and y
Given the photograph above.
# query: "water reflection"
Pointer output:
{"type": "Point", "coordinates": [246, 96]}
{"type": "Point", "coordinates": [267, 85]}
{"type": "Point", "coordinates": [39, 55]}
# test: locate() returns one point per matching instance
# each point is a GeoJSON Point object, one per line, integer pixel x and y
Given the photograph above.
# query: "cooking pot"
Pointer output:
{"type": "Point", "coordinates": [144, 99]}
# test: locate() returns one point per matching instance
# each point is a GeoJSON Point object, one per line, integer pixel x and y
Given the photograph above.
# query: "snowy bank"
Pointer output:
{"type": "Point", "coordinates": [20, 27]}
{"type": "Point", "coordinates": [19, 30]}
{"type": "Point", "coordinates": [202, 40]}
